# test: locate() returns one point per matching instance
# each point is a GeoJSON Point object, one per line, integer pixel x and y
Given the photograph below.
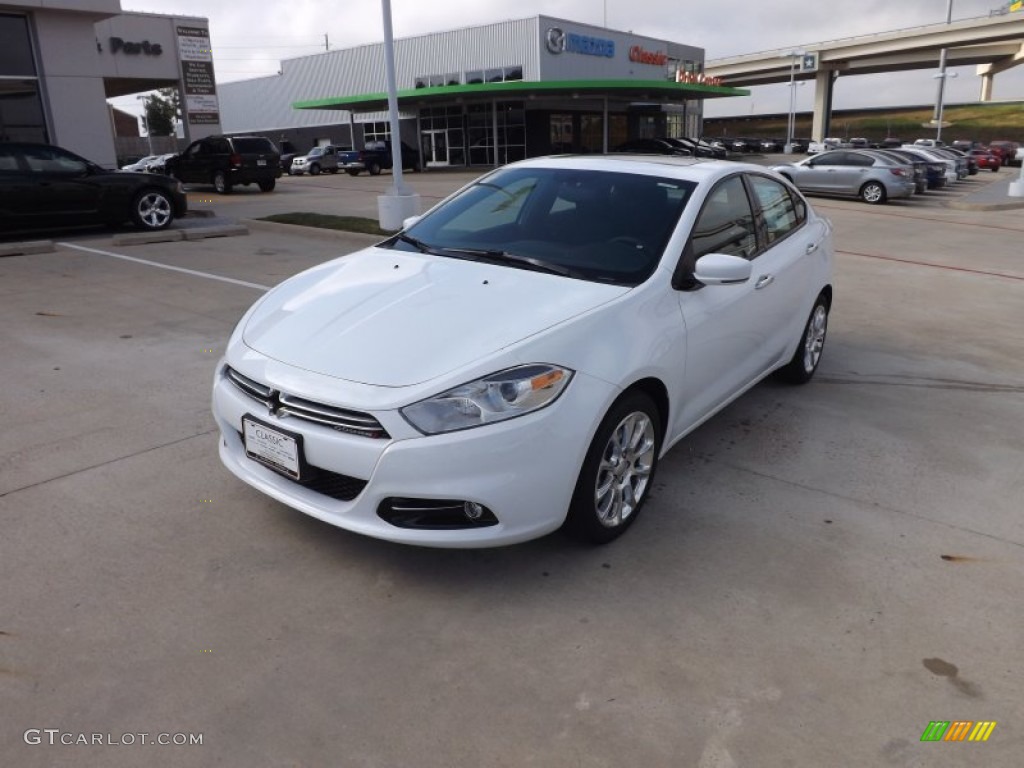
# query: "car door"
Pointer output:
{"type": "Point", "coordinates": [189, 163]}
{"type": "Point", "coordinates": [60, 185]}
{"type": "Point", "coordinates": [735, 334]}
{"type": "Point", "coordinates": [852, 172]}
{"type": "Point", "coordinates": [723, 335]}
{"type": "Point", "coordinates": [821, 173]}
{"type": "Point", "coordinates": [782, 275]}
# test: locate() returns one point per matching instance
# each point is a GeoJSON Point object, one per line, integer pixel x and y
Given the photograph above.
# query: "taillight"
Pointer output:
{"type": "Point", "coordinates": [235, 160]}
{"type": "Point", "coordinates": [897, 172]}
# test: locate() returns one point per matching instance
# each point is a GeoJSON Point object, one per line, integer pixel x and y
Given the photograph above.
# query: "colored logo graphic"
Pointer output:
{"type": "Point", "coordinates": [958, 730]}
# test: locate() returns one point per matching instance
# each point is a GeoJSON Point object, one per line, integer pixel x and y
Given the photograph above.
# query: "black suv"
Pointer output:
{"type": "Point", "coordinates": [226, 161]}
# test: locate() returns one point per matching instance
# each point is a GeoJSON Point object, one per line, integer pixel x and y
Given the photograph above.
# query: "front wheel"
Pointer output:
{"type": "Point", "coordinates": [804, 362]}
{"type": "Point", "coordinates": [221, 183]}
{"type": "Point", "coordinates": [314, 170]}
{"type": "Point", "coordinates": [152, 210]}
{"type": "Point", "coordinates": [268, 185]}
{"type": "Point", "coordinates": [872, 193]}
{"type": "Point", "coordinates": [618, 470]}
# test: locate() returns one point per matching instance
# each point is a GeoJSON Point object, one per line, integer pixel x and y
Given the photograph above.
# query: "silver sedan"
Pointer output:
{"type": "Point", "coordinates": [872, 178]}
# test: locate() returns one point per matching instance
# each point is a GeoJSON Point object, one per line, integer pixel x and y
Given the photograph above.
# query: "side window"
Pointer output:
{"type": "Point", "coordinates": [830, 158]}
{"type": "Point", "coordinates": [49, 160]}
{"type": "Point", "coordinates": [777, 207]}
{"type": "Point", "coordinates": [8, 162]}
{"type": "Point", "coordinates": [725, 224]}
{"type": "Point", "coordinates": [862, 161]}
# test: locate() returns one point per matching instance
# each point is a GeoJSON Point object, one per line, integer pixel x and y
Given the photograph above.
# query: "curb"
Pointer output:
{"type": "Point", "coordinates": [27, 248]}
{"type": "Point", "coordinates": [174, 235]}
{"type": "Point", "coordinates": [985, 206]}
{"type": "Point", "coordinates": [318, 233]}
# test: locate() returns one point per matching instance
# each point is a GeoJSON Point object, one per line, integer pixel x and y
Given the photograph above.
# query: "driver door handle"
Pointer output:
{"type": "Point", "coordinates": [764, 281]}
{"type": "Point", "coordinates": [812, 248]}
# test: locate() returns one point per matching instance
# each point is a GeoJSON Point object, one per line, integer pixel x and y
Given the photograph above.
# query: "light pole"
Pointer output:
{"type": "Point", "coordinates": [791, 125]}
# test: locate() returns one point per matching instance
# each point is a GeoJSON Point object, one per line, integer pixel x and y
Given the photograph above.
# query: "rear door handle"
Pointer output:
{"type": "Point", "coordinates": [764, 281]}
{"type": "Point", "coordinates": [811, 248]}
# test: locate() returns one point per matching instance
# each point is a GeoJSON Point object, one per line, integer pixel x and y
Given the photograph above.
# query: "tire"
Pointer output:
{"type": "Point", "coordinates": [333, 170]}
{"type": "Point", "coordinates": [314, 170]}
{"type": "Point", "coordinates": [800, 369]}
{"type": "Point", "coordinates": [268, 185]}
{"type": "Point", "coordinates": [872, 193]}
{"type": "Point", "coordinates": [600, 511]}
{"type": "Point", "coordinates": [152, 210]}
{"type": "Point", "coordinates": [352, 171]}
{"type": "Point", "coordinates": [995, 169]}
{"type": "Point", "coordinates": [374, 169]}
{"type": "Point", "coordinates": [221, 183]}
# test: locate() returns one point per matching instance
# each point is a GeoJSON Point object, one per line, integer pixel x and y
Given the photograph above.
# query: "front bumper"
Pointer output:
{"type": "Point", "coordinates": [524, 470]}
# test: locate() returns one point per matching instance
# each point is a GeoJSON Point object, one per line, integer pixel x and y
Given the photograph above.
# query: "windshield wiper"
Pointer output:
{"type": "Point", "coordinates": [419, 245]}
{"type": "Point", "coordinates": [525, 262]}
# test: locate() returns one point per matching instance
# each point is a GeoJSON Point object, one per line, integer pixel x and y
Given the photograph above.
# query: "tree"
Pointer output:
{"type": "Point", "coordinates": [163, 108]}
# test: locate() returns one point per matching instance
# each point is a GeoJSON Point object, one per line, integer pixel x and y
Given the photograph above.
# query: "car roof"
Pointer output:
{"type": "Point", "coordinates": [673, 166]}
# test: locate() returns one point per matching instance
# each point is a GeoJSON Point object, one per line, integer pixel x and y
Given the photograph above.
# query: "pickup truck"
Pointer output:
{"type": "Point", "coordinates": [377, 157]}
{"type": "Point", "coordinates": [325, 158]}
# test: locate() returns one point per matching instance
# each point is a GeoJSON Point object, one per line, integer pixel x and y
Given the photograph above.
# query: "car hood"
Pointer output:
{"type": "Point", "coordinates": [390, 318]}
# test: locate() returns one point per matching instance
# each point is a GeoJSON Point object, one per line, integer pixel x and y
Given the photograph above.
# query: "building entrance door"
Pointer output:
{"type": "Point", "coordinates": [435, 148]}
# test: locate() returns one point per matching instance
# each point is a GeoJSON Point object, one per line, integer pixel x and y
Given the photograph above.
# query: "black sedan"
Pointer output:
{"type": "Point", "coordinates": [46, 186]}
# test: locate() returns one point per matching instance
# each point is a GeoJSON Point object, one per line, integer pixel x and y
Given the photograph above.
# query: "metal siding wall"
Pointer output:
{"type": "Point", "coordinates": [266, 102]}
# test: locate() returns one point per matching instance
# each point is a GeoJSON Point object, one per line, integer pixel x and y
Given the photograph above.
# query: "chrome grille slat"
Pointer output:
{"type": "Point", "coordinates": [283, 405]}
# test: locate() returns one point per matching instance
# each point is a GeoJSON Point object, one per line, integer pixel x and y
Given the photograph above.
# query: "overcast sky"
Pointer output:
{"type": "Point", "coordinates": [249, 39]}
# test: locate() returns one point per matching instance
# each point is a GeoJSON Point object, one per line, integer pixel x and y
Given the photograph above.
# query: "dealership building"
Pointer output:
{"type": "Point", "coordinates": [475, 96]}
{"type": "Point", "coordinates": [485, 95]}
{"type": "Point", "coordinates": [60, 60]}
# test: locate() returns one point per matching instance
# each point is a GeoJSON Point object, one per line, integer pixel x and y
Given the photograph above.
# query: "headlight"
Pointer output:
{"type": "Point", "coordinates": [500, 396]}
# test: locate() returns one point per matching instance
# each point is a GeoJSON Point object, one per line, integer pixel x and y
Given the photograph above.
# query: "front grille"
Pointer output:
{"type": "Point", "coordinates": [283, 405]}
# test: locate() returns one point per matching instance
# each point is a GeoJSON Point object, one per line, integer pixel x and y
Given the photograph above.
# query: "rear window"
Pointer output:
{"type": "Point", "coordinates": [253, 144]}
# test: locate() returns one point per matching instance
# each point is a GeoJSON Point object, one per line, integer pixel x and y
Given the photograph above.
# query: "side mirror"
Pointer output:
{"type": "Point", "coordinates": [406, 223]}
{"type": "Point", "coordinates": [722, 269]}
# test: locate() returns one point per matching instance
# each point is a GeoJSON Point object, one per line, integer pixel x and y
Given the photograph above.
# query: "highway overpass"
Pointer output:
{"type": "Point", "coordinates": [992, 43]}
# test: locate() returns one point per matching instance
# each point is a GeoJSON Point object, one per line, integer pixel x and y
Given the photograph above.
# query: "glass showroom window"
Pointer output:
{"type": "Point", "coordinates": [21, 108]}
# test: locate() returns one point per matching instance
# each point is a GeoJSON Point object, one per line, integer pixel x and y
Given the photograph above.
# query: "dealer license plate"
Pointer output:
{"type": "Point", "coordinates": [273, 448]}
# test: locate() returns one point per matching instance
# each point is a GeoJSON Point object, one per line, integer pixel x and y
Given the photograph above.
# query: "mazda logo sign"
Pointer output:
{"type": "Point", "coordinates": [556, 40]}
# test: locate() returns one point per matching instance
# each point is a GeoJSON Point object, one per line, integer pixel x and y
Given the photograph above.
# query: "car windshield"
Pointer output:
{"type": "Point", "coordinates": [595, 225]}
{"type": "Point", "coordinates": [315, 152]}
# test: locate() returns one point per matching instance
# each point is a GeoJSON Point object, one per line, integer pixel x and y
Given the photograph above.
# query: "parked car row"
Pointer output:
{"type": "Point", "coordinates": [680, 147]}
{"type": "Point", "coordinates": [878, 175]}
{"type": "Point", "coordinates": [748, 145]}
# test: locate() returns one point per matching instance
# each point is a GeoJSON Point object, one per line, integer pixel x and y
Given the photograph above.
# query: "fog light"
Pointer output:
{"type": "Point", "coordinates": [473, 510]}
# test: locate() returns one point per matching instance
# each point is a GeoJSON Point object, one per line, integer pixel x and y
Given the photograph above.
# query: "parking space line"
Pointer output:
{"type": "Point", "coordinates": [929, 264]}
{"type": "Point", "coordinates": [158, 265]}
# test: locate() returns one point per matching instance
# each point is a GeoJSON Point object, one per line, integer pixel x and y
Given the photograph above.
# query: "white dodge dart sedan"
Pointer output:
{"type": "Point", "coordinates": [519, 358]}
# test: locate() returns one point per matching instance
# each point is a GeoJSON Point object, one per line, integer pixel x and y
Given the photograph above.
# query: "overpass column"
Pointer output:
{"type": "Point", "coordinates": [824, 83]}
{"type": "Point", "coordinates": [986, 86]}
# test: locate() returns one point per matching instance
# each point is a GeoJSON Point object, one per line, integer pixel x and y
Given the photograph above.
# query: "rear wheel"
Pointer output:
{"type": "Point", "coordinates": [872, 193]}
{"type": "Point", "coordinates": [374, 169]}
{"type": "Point", "coordinates": [152, 210]}
{"type": "Point", "coordinates": [221, 183]}
{"type": "Point", "coordinates": [618, 470]}
{"type": "Point", "coordinates": [268, 185]}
